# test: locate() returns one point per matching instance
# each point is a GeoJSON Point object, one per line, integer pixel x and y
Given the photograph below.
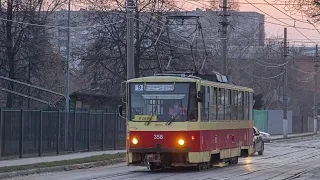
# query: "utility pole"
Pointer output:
{"type": "Point", "coordinates": [130, 40]}
{"type": "Point", "coordinates": [285, 87]}
{"type": "Point", "coordinates": [224, 32]}
{"type": "Point", "coordinates": [315, 100]}
{"type": "Point", "coordinates": [29, 79]}
{"type": "Point", "coordinates": [68, 78]}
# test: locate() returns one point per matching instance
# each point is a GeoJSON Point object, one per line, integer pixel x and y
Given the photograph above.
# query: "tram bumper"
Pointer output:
{"type": "Point", "coordinates": [158, 150]}
{"type": "Point", "coordinates": [153, 158]}
{"type": "Point", "coordinates": [167, 156]}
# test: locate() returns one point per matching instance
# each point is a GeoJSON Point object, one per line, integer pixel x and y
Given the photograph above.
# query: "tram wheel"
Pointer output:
{"type": "Point", "coordinates": [203, 166]}
{"type": "Point", "coordinates": [262, 149]}
{"type": "Point", "coordinates": [236, 160]}
{"type": "Point", "coordinates": [154, 167]}
{"type": "Point", "coordinates": [208, 165]}
{"type": "Point", "coordinates": [200, 167]}
{"type": "Point", "coordinates": [233, 161]}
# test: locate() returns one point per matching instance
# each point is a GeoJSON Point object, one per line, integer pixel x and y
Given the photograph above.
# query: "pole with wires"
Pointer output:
{"type": "Point", "coordinates": [68, 77]}
{"type": "Point", "coordinates": [224, 32]}
{"type": "Point", "coordinates": [315, 100]}
{"type": "Point", "coordinates": [130, 40]}
{"type": "Point", "coordinates": [285, 87]}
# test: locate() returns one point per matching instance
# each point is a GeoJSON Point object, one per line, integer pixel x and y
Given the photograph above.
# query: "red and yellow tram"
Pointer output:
{"type": "Point", "coordinates": [185, 120]}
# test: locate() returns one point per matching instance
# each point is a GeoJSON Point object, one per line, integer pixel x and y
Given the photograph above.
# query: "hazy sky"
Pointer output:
{"type": "Point", "coordinates": [293, 35]}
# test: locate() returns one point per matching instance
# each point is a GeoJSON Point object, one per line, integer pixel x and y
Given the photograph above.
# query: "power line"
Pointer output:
{"type": "Point", "coordinates": [64, 27]}
{"type": "Point", "coordinates": [281, 21]}
{"type": "Point", "coordinates": [94, 26]}
{"type": "Point", "coordinates": [314, 27]}
{"type": "Point", "coordinates": [293, 19]}
{"type": "Point", "coordinates": [240, 15]}
{"type": "Point", "coordinates": [277, 4]}
{"type": "Point", "coordinates": [302, 71]}
{"type": "Point", "coordinates": [264, 22]}
{"type": "Point", "coordinates": [273, 77]}
{"type": "Point", "coordinates": [271, 66]}
{"type": "Point", "coordinates": [253, 17]}
{"type": "Point", "coordinates": [284, 12]}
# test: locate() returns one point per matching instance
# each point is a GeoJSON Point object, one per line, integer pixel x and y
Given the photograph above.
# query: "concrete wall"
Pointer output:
{"type": "Point", "coordinates": [275, 122]}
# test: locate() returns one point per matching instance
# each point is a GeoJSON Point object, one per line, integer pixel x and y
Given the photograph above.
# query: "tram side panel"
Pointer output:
{"type": "Point", "coordinates": [225, 142]}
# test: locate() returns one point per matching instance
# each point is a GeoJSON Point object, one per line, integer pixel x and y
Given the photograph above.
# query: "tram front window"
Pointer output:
{"type": "Point", "coordinates": [159, 102]}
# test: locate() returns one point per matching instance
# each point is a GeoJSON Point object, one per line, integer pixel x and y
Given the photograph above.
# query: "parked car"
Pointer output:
{"type": "Point", "coordinates": [265, 136]}
{"type": "Point", "coordinates": [258, 143]}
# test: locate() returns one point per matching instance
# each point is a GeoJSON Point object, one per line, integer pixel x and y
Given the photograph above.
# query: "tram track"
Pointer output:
{"type": "Point", "coordinates": [281, 161]}
{"type": "Point", "coordinates": [277, 166]}
{"type": "Point", "coordinates": [165, 175]}
{"type": "Point", "coordinates": [299, 174]}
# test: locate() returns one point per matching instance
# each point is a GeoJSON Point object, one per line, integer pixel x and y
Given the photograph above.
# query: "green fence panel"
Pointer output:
{"type": "Point", "coordinates": [261, 120]}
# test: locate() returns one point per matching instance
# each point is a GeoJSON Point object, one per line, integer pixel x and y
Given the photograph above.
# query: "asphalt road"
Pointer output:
{"type": "Point", "coordinates": [292, 159]}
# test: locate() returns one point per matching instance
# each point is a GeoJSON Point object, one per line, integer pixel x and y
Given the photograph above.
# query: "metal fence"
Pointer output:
{"type": "Point", "coordinates": [36, 132]}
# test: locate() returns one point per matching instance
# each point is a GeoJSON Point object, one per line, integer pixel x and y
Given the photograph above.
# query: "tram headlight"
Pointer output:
{"type": "Point", "coordinates": [135, 141]}
{"type": "Point", "coordinates": [181, 142]}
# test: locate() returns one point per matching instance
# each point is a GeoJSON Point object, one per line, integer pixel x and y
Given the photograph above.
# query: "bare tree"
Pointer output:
{"type": "Point", "coordinates": [105, 60]}
{"type": "Point", "coordinates": [24, 40]}
{"type": "Point", "coordinates": [233, 4]}
{"type": "Point", "coordinates": [310, 8]}
{"type": "Point", "coordinates": [264, 72]}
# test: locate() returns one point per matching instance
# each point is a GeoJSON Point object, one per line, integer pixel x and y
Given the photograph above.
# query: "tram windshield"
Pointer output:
{"type": "Point", "coordinates": [162, 102]}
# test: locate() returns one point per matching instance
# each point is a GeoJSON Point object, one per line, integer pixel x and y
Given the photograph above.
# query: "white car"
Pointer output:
{"type": "Point", "coordinates": [265, 136]}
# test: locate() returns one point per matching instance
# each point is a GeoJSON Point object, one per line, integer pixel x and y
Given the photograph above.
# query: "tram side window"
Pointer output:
{"type": "Point", "coordinates": [250, 106]}
{"type": "Point", "coordinates": [204, 114]}
{"type": "Point", "coordinates": [193, 112]}
{"type": "Point", "coordinates": [246, 106]}
{"type": "Point", "coordinates": [240, 105]}
{"type": "Point", "coordinates": [221, 103]}
{"type": "Point", "coordinates": [227, 104]}
{"type": "Point", "coordinates": [234, 103]}
{"type": "Point", "coordinates": [213, 104]}
{"type": "Point", "coordinates": [206, 104]}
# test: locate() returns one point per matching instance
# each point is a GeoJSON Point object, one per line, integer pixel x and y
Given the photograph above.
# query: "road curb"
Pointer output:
{"type": "Point", "coordinates": [60, 168]}
{"type": "Point", "coordinates": [293, 137]}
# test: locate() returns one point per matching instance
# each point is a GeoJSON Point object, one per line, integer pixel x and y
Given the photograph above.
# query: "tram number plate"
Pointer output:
{"type": "Point", "coordinates": [158, 136]}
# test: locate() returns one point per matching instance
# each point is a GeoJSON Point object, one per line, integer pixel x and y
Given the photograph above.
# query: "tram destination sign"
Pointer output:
{"type": "Point", "coordinates": [159, 87]}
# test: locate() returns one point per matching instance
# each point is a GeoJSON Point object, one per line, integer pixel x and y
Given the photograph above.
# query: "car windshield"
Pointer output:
{"type": "Point", "coordinates": [159, 101]}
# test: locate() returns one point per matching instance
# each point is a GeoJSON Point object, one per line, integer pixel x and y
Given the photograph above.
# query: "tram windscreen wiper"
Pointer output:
{"type": "Point", "coordinates": [150, 117]}
{"type": "Point", "coordinates": [136, 111]}
{"type": "Point", "coordinates": [174, 117]}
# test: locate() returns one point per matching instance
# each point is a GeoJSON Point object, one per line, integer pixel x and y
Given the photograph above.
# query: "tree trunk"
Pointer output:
{"type": "Point", "coordinates": [10, 55]}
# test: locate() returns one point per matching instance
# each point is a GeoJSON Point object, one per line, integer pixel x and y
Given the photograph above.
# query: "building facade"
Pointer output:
{"type": "Point", "coordinates": [245, 29]}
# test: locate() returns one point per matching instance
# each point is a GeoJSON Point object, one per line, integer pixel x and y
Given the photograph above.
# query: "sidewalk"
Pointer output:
{"type": "Point", "coordinates": [25, 161]}
{"type": "Point", "coordinates": [277, 137]}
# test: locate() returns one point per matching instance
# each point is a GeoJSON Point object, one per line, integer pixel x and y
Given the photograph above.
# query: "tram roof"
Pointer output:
{"type": "Point", "coordinates": [217, 80]}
